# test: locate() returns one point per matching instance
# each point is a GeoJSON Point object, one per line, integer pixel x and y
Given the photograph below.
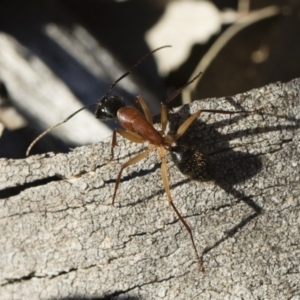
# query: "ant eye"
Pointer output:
{"type": "Point", "coordinates": [108, 107]}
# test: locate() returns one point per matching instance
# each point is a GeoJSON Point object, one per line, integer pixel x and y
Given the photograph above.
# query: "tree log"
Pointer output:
{"type": "Point", "coordinates": [61, 238]}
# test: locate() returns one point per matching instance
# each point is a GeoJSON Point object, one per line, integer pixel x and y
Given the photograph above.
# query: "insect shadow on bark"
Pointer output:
{"type": "Point", "coordinates": [227, 167]}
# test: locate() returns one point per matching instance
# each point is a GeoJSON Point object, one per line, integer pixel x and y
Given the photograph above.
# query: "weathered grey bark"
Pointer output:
{"type": "Point", "coordinates": [63, 239]}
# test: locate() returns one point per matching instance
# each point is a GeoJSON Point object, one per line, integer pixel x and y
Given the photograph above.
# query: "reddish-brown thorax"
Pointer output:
{"type": "Point", "coordinates": [132, 119]}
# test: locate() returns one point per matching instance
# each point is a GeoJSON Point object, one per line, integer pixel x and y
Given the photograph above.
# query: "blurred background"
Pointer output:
{"type": "Point", "coordinates": [56, 56]}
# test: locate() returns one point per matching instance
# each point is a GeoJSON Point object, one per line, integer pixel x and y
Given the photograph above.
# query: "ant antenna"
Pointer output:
{"type": "Point", "coordinates": [53, 127]}
{"type": "Point", "coordinates": [109, 90]}
{"type": "Point", "coordinates": [179, 91]}
{"type": "Point", "coordinates": [134, 66]}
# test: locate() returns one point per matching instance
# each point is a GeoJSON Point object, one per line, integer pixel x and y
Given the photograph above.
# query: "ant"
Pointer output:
{"type": "Point", "coordinates": [138, 128]}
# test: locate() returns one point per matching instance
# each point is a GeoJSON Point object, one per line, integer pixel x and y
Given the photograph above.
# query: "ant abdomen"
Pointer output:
{"type": "Point", "coordinates": [192, 162]}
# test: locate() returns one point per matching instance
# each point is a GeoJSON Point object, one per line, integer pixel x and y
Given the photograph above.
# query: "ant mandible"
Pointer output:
{"type": "Point", "coordinates": [139, 129]}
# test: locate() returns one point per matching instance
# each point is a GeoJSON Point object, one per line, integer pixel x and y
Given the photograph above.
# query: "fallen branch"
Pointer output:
{"type": "Point", "coordinates": [61, 237]}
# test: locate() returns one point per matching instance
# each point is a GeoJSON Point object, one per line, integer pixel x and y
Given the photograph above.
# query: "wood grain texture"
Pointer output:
{"type": "Point", "coordinates": [61, 238]}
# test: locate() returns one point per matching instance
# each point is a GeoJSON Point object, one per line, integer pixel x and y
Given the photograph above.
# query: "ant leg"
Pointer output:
{"type": "Point", "coordinates": [132, 161]}
{"type": "Point", "coordinates": [145, 109]}
{"type": "Point", "coordinates": [131, 136]}
{"type": "Point", "coordinates": [163, 118]}
{"type": "Point", "coordinates": [164, 174]}
{"type": "Point", "coordinates": [113, 144]}
{"type": "Point", "coordinates": [187, 123]}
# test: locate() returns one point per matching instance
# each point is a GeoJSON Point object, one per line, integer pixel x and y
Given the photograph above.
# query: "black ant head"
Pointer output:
{"type": "Point", "coordinates": [108, 107]}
